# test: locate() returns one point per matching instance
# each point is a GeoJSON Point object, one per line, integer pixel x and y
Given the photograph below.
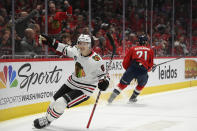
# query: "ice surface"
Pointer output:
{"type": "Point", "coordinates": [169, 111]}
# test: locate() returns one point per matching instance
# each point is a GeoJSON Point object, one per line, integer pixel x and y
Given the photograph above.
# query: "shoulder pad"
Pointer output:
{"type": "Point", "coordinates": [96, 57]}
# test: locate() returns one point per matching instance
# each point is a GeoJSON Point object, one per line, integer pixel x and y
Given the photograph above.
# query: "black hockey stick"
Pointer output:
{"type": "Point", "coordinates": [107, 70]}
{"type": "Point", "coordinates": [155, 66]}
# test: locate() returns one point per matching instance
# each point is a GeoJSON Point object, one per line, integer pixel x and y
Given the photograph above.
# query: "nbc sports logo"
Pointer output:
{"type": "Point", "coordinates": [8, 74]}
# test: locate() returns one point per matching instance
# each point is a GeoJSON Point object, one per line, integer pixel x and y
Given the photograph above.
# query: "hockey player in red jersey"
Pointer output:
{"type": "Point", "coordinates": [137, 62]}
{"type": "Point", "coordinates": [89, 73]}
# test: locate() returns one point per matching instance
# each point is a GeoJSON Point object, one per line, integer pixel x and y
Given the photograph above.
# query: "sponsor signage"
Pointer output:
{"type": "Point", "coordinates": [190, 68]}
{"type": "Point", "coordinates": [167, 72]}
{"type": "Point", "coordinates": [8, 75]}
{"type": "Point", "coordinates": [23, 83]}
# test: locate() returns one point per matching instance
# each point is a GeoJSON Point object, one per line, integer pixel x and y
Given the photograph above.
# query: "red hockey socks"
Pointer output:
{"type": "Point", "coordinates": [121, 86]}
{"type": "Point", "coordinates": [139, 88]}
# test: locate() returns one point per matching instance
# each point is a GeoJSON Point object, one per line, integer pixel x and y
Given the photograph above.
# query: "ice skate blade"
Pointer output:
{"type": "Point", "coordinates": [132, 102]}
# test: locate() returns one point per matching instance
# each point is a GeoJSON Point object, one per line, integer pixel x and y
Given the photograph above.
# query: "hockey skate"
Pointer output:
{"type": "Point", "coordinates": [113, 96]}
{"type": "Point", "coordinates": [133, 98]}
{"type": "Point", "coordinates": [41, 123]}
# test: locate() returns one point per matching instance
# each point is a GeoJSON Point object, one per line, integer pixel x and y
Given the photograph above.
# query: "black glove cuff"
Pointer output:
{"type": "Point", "coordinates": [103, 84]}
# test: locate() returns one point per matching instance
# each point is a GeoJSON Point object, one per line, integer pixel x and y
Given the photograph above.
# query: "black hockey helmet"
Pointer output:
{"type": "Point", "coordinates": [142, 39]}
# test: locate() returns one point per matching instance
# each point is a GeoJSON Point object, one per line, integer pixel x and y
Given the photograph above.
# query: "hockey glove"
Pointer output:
{"type": "Point", "coordinates": [44, 39]}
{"type": "Point", "coordinates": [103, 84]}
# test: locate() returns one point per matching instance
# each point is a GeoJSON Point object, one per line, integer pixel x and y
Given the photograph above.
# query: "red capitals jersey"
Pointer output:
{"type": "Point", "coordinates": [141, 54]}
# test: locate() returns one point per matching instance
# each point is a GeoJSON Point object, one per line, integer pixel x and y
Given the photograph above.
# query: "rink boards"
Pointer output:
{"type": "Point", "coordinates": [27, 86]}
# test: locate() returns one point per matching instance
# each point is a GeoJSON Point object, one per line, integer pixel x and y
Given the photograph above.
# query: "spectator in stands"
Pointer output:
{"type": "Point", "coordinates": [80, 21]}
{"type": "Point", "coordinates": [108, 12]}
{"type": "Point", "coordinates": [76, 13]}
{"type": "Point", "coordinates": [4, 14]}
{"type": "Point", "coordinates": [194, 44]}
{"type": "Point", "coordinates": [66, 39]}
{"type": "Point", "coordinates": [55, 18]}
{"type": "Point", "coordinates": [183, 45]}
{"type": "Point", "coordinates": [194, 48]}
{"type": "Point", "coordinates": [25, 20]}
{"type": "Point", "coordinates": [69, 24]}
{"type": "Point", "coordinates": [2, 22]}
{"type": "Point", "coordinates": [86, 30]}
{"type": "Point", "coordinates": [160, 46]}
{"type": "Point", "coordinates": [105, 50]}
{"type": "Point", "coordinates": [28, 44]}
{"type": "Point", "coordinates": [5, 43]}
{"type": "Point", "coordinates": [36, 29]}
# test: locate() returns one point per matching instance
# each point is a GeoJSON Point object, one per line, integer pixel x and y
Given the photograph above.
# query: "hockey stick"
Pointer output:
{"type": "Point", "coordinates": [107, 70]}
{"type": "Point", "coordinates": [155, 66]}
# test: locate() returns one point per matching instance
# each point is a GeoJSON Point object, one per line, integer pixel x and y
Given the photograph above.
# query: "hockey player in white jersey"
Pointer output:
{"type": "Point", "coordinates": [89, 73]}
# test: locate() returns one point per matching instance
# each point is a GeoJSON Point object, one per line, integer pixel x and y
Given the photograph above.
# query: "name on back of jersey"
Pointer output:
{"type": "Point", "coordinates": [142, 48]}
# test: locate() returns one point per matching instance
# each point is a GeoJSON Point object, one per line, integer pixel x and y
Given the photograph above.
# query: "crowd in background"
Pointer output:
{"type": "Point", "coordinates": [68, 18]}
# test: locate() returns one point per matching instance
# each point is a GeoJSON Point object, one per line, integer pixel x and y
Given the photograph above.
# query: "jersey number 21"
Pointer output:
{"type": "Point", "coordinates": [142, 53]}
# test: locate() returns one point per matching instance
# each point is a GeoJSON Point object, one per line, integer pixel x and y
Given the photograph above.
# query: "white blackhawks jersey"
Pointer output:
{"type": "Point", "coordinates": [88, 70]}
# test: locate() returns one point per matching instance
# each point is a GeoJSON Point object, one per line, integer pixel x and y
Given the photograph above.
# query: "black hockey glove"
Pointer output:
{"type": "Point", "coordinates": [44, 39]}
{"type": "Point", "coordinates": [103, 84]}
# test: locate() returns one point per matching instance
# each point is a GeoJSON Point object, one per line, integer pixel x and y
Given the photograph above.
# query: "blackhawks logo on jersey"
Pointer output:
{"type": "Point", "coordinates": [55, 24]}
{"type": "Point", "coordinates": [79, 72]}
{"type": "Point", "coordinates": [96, 58]}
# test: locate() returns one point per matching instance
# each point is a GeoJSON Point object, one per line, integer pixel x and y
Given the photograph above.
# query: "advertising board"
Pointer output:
{"type": "Point", "coordinates": [27, 82]}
